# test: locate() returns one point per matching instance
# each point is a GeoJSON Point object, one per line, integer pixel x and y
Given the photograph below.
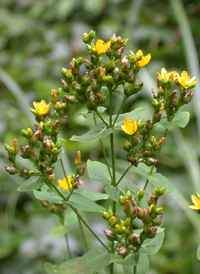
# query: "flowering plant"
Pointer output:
{"type": "Point", "coordinates": [129, 244]}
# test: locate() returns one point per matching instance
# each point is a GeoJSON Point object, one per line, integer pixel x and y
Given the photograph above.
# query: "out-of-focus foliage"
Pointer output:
{"type": "Point", "coordinates": [37, 38]}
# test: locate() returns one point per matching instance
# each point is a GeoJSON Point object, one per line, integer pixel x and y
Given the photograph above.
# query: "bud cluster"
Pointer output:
{"type": "Point", "coordinates": [91, 88]}
{"type": "Point", "coordinates": [122, 230]}
{"type": "Point", "coordinates": [148, 144]}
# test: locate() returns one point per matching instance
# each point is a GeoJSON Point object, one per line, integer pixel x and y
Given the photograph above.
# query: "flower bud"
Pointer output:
{"type": "Point", "coordinates": [85, 38]}
{"type": "Point", "coordinates": [78, 158]}
{"type": "Point", "coordinates": [152, 232]}
{"type": "Point", "coordinates": [110, 235]}
{"type": "Point", "coordinates": [70, 99]}
{"type": "Point", "coordinates": [127, 207]}
{"type": "Point", "coordinates": [127, 222]}
{"type": "Point", "coordinates": [112, 221]}
{"type": "Point", "coordinates": [127, 146]}
{"type": "Point", "coordinates": [159, 210]}
{"type": "Point", "coordinates": [82, 170]}
{"type": "Point", "coordinates": [123, 251]}
{"type": "Point", "coordinates": [54, 96]}
{"type": "Point", "coordinates": [122, 200]}
{"type": "Point", "coordinates": [145, 216]}
{"type": "Point", "coordinates": [157, 221]}
{"type": "Point", "coordinates": [24, 172]}
{"type": "Point", "coordinates": [65, 86]}
{"type": "Point", "coordinates": [140, 194]}
{"type": "Point", "coordinates": [133, 238]}
{"type": "Point", "coordinates": [151, 161]}
{"type": "Point", "coordinates": [11, 170]}
{"type": "Point", "coordinates": [26, 152]}
{"type": "Point", "coordinates": [106, 215]}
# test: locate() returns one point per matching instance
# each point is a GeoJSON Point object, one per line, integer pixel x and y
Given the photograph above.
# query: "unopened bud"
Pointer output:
{"type": "Point", "coordinates": [146, 216]}
{"type": "Point", "coordinates": [112, 221]}
{"type": "Point", "coordinates": [123, 251]}
{"type": "Point", "coordinates": [152, 232]}
{"type": "Point", "coordinates": [140, 194]}
{"type": "Point", "coordinates": [109, 234]}
{"type": "Point", "coordinates": [133, 238]}
{"type": "Point", "coordinates": [151, 161]}
{"type": "Point", "coordinates": [127, 207]}
{"type": "Point", "coordinates": [157, 221]}
{"type": "Point", "coordinates": [106, 215]}
{"type": "Point", "coordinates": [53, 96]}
{"type": "Point", "coordinates": [11, 170]}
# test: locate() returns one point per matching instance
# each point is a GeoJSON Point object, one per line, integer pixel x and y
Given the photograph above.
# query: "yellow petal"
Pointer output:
{"type": "Point", "coordinates": [102, 47]}
{"type": "Point", "coordinates": [65, 184]}
{"type": "Point", "coordinates": [195, 200]}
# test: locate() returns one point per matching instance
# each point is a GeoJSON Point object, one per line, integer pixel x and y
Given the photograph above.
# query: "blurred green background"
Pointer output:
{"type": "Point", "coordinates": [37, 38]}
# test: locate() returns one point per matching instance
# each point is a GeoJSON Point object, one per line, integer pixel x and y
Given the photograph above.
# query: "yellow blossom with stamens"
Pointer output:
{"type": "Point", "coordinates": [42, 107]}
{"type": "Point", "coordinates": [15, 145]}
{"type": "Point", "coordinates": [185, 80]}
{"type": "Point", "coordinates": [129, 127]}
{"type": "Point", "coordinates": [165, 75]}
{"type": "Point", "coordinates": [65, 184]}
{"type": "Point", "coordinates": [101, 46]}
{"type": "Point", "coordinates": [196, 202]}
{"type": "Point", "coordinates": [145, 59]}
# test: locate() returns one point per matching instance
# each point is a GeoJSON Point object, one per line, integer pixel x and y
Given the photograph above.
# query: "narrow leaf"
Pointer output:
{"type": "Point", "coordinates": [159, 180]}
{"type": "Point", "coordinates": [31, 184]}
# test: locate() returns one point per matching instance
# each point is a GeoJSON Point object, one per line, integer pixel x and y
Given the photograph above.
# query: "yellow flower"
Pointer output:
{"type": "Point", "coordinates": [101, 46]}
{"type": "Point", "coordinates": [129, 127]}
{"type": "Point", "coordinates": [65, 184]}
{"type": "Point", "coordinates": [196, 202]}
{"type": "Point", "coordinates": [145, 59]}
{"type": "Point", "coordinates": [167, 75]}
{"type": "Point", "coordinates": [185, 80]}
{"type": "Point", "coordinates": [42, 107]}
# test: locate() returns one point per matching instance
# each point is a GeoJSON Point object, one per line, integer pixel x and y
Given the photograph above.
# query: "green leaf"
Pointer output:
{"type": "Point", "coordinates": [31, 184]}
{"type": "Point", "coordinates": [114, 193]}
{"type": "Point", "coordinates": [97, 132]}
{"type": "Point", "coordinates": [47, 194]}
{"type": "Point", "coordinates": [48, 267]}
{"type": "Point", "coordinates": [80, 202]}
{"type": "Point", "coordinates": [131, 259]}
{"type": "Point", "coordinates": [198, 252]}
{"type": "Point", "coordinates": [98, 172]}
{"type": "Point", "coordinates": [159, 180]}
{"type": "Point", "coordinates": [166, 124]}
{"type": "Point", "coordinates": [91, 262]}
{"type": "Point", "coordinates": [151, 246]}
{"type": "Point", "coordinates": [142, 265]}
{"type": "Point", "coordinates": [58, 230]}
{"type": "Point", "coordinates": [145, 169]}
{"type": "Point", "coordinates": [133, 115]}
{"type": "Point", "coordinates": [62, 140]}
{"type": "Point", "coordinates": [181, 119]}
{"type": "Point", "coordinates": [94, 196]}
{"type": "Point", "coordinates": [101, 109]}
{"type": "Point", "coordinates": [100, 131]}
{"type": "Point", "coordinates": [61, 153]}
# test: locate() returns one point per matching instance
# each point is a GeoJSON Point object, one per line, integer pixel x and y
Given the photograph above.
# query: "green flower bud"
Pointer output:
{"type": "Point", "coordinates": [122, 200]}
{"type": "Point", "coordinates": [127, 146]}
{"type": "Point", "coordinates": [140, 194]}
{"type": "Point", "coordinates": [127, 222]}
{"type": "Point", "coordinates": [112, 221]}
{"type": "Point", "coordinates": [106, 215]}
{"type": "Point", "coordinates": [85, 38]}
{"type": "Point", "coordinates": [110, 235]}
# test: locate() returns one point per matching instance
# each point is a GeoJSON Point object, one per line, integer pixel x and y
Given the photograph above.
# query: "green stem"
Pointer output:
{"type": "Point", "coordinates": [134, 269]}
{"type": "Point", "coordinates": [82, 232]}
{"type": "Point", "coordinates": [104, 153]}
{"type": "Point", "coordinates": [66, 200]}
{"type": "Point", "coordinates": [70, 189]}
{"type": "Point", "coordinates": [158, 153]}
{"type": "Point", "coordinates": [67, 243]}
{"type": "Point", "coordinates": [119, 112]}
{"type": "Point", "coordinates": [102, 119]}
{"type": "Point", "coordinates": [128, 168]}
{"type": "Point", "coordinates": [75, 210]}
